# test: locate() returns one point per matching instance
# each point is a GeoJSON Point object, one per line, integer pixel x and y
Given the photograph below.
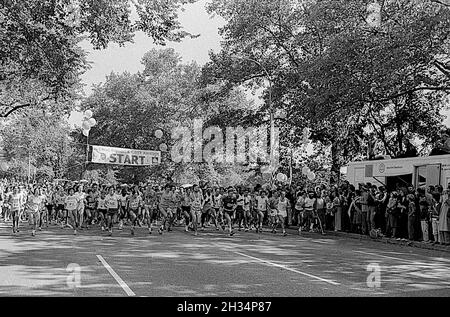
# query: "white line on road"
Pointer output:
{"type": "Point", "coordinates": [116, 277]}
{"type": "Point", "coordinates": [288, 268]}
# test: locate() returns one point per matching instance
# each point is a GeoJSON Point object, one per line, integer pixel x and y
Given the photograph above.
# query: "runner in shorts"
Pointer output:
{"type": "Point", "coordinates": [71, 205]}
{"type": "Point", "coordinates": [217, 200]}
{"type": "Point", "coordinates": [186, 208]}
{"type": "Point", "coordinates": [207, 210]}
{"type": "Point", "coordinates": [150, 212]}
{"type": "Point", "coordinates": [102, 208]}
{"type": "Point", "coordinates": [247, 210]}
{"type": "Point", "coordinates": [196, 207]}
{"type": "Point", "coordinates": [15, 201]}
{"type": "Point", "coordinates": [283, 208]}
{"type": "Point", "coordinates": [262, 205]}
{"type": "Point", "coordinates": [91, 205]}
{"type": "Point", "coordinates": [165, 204]}
{"type": "Point", "coordinates": [299, 207]}
{"type": "Point", "coordinates": [112, 208]}
{"type": "Point", "coordinates": [58, 200]}
{"type": "Point", "coordinates": [239, 208]}
{"type": "Point", "coordinates": [123, 212]}
{"type": "Point", "coordinates": [35, 203]}
{"type": "Point", "coordinates": [273, 210]}
{"type": "Point", "coordinates": [229, 207]}
{"type": "Point", "coordinates": [134, 207]}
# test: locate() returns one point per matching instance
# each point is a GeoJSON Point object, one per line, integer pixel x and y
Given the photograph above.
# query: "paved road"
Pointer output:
{"type": "Point", "coordinates": [213, 264]}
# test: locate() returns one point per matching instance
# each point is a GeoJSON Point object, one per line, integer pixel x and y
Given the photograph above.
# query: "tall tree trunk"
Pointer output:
{"type": "Point", "coordinates": [335, 163]}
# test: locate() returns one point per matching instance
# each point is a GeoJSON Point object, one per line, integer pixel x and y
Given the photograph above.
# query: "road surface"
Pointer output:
{"type": "Point", "coordinates": [213, 264]}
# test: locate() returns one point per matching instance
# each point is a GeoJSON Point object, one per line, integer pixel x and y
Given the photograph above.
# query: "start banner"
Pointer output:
{"type": "Point", "coordinates": [114, 155]}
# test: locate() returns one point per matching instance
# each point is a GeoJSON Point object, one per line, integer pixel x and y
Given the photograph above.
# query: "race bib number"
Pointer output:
{"type": "Point", "coordinates": [134, 204]}
{"type": "Point", "coordinates": [112, 203]}
{"type": "Point", "coordinates": [71, 205]}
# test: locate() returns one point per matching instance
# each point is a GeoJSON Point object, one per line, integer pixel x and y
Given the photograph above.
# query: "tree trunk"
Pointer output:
{"type": "Point", "coordinates": [335, 163]}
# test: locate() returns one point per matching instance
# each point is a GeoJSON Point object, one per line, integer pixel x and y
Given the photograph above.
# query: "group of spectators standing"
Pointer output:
{"type": "Point", "coordinates": [406, 213]}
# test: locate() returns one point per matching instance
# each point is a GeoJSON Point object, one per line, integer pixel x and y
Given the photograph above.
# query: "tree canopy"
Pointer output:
{"type": "Point", "coordinates": [335, 71]}
{"type": "Point", "coordinates": [40, 57]}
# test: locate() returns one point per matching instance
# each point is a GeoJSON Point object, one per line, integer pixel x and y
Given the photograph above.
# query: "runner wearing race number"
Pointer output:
{"type": "Point", "coordinates": [81, 196]}
{"type": "Point", "coordinates": [71, 205]}
{"type": "Point", "coordinates": [112, 208]}
{"type": "Point", "coordinates": [91, 205]}
{"type": "Point", "coordinates": [229, 206]}
{"type": "Point", "coordinates": [150, 207]}
{"type": "Point", "coordinates": [134, 207]}
{"type": "Point", "coordinates": [273, 210]}
{"type": "Point", "coordinates": [44, 211]}
{"type": "Point", "coordinates": [15, 201]}
{"type": "Point", "coordinates": [282, 208]}
{"type": "Point", "coordinates": [196, 207]}
{"type": "Point", "coordinates": [165, 204]}
{"type": "Point", "coordinates": [262, 204]}
{"type": "Point", "coordinates": [101, 208]}
{"type": "Point", "coordinates": [186, 207]}
{"type": "Point", "coordinates": [247, 210]}
{"type": "Point", "coordinates": [59, 199]}
{"type": "Point", "coordinates": [217, 200]}
{"type": "Point", "coordinates": [123, 212]}
{"type": "Point", "coordinates": [35, 203]}
{"type": "Point", "coordinates": [207, 210]}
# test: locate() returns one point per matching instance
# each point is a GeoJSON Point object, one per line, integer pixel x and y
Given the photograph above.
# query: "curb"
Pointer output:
{"type": "Point", "coordinates": [414, 244]}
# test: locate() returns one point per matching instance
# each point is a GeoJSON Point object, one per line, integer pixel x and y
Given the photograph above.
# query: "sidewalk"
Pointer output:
{"type": "Point", "coordinates": [416, 244]}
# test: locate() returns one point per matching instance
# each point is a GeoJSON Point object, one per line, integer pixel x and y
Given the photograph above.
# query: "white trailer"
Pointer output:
{"type": "Point", "coordinates": [419, 171]}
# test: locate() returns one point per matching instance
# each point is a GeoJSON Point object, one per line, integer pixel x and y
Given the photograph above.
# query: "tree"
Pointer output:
{"type": "Point", "coordinates": [39, 41]}
{"type": "Point", "coordinates": [129, 108]}
{"type": "Point", "coordinates": [43, 139]}
{"type": "Point", "coordinates": [328, 65]}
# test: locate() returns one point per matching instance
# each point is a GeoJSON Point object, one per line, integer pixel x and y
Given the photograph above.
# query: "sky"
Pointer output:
{"type": "Point", "coordinates": [194, 19]}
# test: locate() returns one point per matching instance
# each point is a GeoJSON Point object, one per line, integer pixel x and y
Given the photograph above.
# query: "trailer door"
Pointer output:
{"type": "Point", "coordinates": [428, 175]}
{"type": "Point", "coordinates": [433, 174]}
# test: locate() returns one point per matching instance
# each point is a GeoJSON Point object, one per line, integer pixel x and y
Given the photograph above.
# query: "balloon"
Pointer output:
{"type": "Point", "coordinates": [281, 177]}
{"type": "Point", "coordinates": [163, 147]}
{"type": "Point", "coordinates": [88, 114]}
{"type": "Point", "coordinates": [85, 132]}
{"type": "Point", "coordinates": [305, 170]}
{"type": "Point", "coordinates": [85, 125]}
{"type": "Point", "coordinates": [158, 134]}
{"type": "Point", "coordinates": [92, 122]}
{"type": "Point", "coordinates": [310, 176]}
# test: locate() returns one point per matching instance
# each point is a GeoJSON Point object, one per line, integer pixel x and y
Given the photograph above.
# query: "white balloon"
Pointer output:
{"type": "Point", "coordinates": [92, 122]}
{"type": "Point", "coordinates": [305, 170]}
{"type": "Point", "coordinates": [85, 132]}
{"type": "Point", "coordinates": [85, 125]}
{"type": "Point", "coordinates": [158, 134]}
{"type": "Point", "coordinates": [88, 114]}
{"type": "Point", "coordinates": [310, 176]}
{"type": "Point", "coordinates": [281, 177]}
{"type": "Point", "coordinates": [163, 147]}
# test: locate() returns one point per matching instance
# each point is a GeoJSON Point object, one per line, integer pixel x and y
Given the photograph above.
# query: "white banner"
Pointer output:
{"type": "Point", "coordinates": [119, 156]}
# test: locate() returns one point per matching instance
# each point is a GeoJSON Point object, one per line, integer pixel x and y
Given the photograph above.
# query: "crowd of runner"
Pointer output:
{"type": "Point", "coordinates": [80, 207]}
{"type": "Point", "coordinates": [405, 213]}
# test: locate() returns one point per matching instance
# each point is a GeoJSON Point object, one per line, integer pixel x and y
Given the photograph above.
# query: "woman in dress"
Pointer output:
{"type": "Point", "coordinates": [444, 219]}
